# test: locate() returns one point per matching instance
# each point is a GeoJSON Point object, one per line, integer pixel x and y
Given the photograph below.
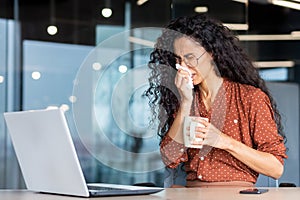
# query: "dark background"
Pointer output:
{"type": "Point", "coordinates": [77, 20]}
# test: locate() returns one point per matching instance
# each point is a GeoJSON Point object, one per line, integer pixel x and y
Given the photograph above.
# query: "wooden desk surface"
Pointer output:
{"type": "Point", "coordinates": [169, 193]}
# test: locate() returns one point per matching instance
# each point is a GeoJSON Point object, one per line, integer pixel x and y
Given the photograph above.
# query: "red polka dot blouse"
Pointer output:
{"type": "Point", "coordinates": [242, 112]}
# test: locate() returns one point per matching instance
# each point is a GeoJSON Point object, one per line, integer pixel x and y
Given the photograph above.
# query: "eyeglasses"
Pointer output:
{"type": "Point", "coordinates": [191, 60]}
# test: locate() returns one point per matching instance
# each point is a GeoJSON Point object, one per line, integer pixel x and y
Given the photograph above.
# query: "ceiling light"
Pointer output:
{"type": "Point", "coordinates": [243, 27]}
{"type": "Point", "coordinates": [52, 30]}
{"type": "Point", "coordinates": [97, 66]}
{"type": "Point", "coordinates": [141, 2]}
{"type": "Point", "coordinates": [72, 99]}
{"type": "Point", "coordinates": [123, 69]}
{"type": "Point", "coordinates": [141, 41]}
{"type": "Point", "coordinates": [267, 37]}
{"type": "Point", "coordinates": [272, 64]}
{"type": "Point", "coordinates": [241, 1]}
{"type": "Point", "coordinates": [1, 79]}
{"type": "Point", "coordinates": [287, 4]}
{"type": "Point", "coordinates": [295, 34]}
{"type": "Point", "coordinates": [36, 75]}
{"type": "Point", "coordinates": [201, 9]}
{"type": "Point", "coordinates": [106, 12]}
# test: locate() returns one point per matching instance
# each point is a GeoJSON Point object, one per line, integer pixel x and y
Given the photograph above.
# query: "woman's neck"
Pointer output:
{"type": "Point", "coordinates": [209, 89]}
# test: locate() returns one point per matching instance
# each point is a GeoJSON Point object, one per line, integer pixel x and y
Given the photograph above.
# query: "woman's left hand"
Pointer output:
{"type": "Point", "coordinates": [209, 134]}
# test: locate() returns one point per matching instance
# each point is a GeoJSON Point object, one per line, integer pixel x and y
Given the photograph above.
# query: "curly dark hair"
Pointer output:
{"type": "Point", "coordinates": [230, 59]}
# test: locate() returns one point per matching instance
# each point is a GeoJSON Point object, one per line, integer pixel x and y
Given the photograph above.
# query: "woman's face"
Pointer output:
{"type": "Point", "coordinates": [194, 56]}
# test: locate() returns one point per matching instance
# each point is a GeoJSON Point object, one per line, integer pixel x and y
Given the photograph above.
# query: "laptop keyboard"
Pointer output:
{"type": "Point", "coordinates": [101, 188]}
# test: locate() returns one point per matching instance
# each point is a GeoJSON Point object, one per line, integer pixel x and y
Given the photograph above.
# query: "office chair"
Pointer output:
{"type": "Point", "coordinates": [175, 176]}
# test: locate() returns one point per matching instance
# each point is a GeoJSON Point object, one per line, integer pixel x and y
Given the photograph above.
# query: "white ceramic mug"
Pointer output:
{"type": "Point", "coordinates": [188, 136]}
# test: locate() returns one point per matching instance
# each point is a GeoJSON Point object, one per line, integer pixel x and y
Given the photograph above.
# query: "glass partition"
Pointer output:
{"type": "Point", "coordinates": [9, 100]}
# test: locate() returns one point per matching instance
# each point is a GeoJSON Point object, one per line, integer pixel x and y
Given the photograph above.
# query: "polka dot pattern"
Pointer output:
{"type": "Point", "coordinates": [242, 112]}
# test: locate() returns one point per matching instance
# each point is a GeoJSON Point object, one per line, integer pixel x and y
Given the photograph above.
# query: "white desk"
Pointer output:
{"type": "Point", "coordinates": [169, 194]}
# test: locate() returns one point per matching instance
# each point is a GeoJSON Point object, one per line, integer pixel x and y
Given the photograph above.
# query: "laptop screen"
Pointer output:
{"type": "Point", "coordinates": [45, 152]}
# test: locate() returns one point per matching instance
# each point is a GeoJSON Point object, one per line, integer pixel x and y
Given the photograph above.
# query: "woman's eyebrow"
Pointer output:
{"type": "Point", "coordinates": [188, 54]}
{"type": "Point", "coordinates": [176, 55]}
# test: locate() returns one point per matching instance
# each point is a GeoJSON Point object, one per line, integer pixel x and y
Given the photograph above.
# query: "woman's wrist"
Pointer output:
{"type": "Point", "coordinates": [227, 143]}
{"type": "Point", "coordinates": [186, 104]}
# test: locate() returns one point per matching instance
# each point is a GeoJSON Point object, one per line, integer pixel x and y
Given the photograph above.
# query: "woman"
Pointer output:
{"type": "Point", "coordinates": [243, 136]}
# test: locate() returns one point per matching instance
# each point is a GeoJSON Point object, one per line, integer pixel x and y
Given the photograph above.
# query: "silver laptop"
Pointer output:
{"type": "Point", "coordinates": [48, 160]}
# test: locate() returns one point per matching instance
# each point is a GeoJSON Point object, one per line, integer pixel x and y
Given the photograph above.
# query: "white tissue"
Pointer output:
{"type": "Point", "coordinates": [190, 83]}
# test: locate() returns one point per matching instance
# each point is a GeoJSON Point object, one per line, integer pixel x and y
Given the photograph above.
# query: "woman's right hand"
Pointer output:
{"type": "Point", "coordinates": [181, 82]}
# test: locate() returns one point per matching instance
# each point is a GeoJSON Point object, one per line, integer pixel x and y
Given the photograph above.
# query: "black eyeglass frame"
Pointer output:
{"type": "Point", "coordinates": [188, 63]}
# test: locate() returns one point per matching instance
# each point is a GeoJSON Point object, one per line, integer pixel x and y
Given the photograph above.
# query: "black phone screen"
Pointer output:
{"type": "Point", "coordinates": [253, 191]}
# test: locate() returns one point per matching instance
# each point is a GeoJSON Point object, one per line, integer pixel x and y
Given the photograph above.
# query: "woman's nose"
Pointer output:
{"type": "Point", "coordinates": [185, 65]}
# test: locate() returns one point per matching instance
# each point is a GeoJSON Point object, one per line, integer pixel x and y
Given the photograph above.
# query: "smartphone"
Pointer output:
{"type": "Point", "coordinates": [253, 191]}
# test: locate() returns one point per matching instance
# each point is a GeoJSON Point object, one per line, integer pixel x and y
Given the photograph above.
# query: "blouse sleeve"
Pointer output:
{"type": "Point", "coordinates": [172, 152]}
{"type": "Point", "coordinates": [263, 127]}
